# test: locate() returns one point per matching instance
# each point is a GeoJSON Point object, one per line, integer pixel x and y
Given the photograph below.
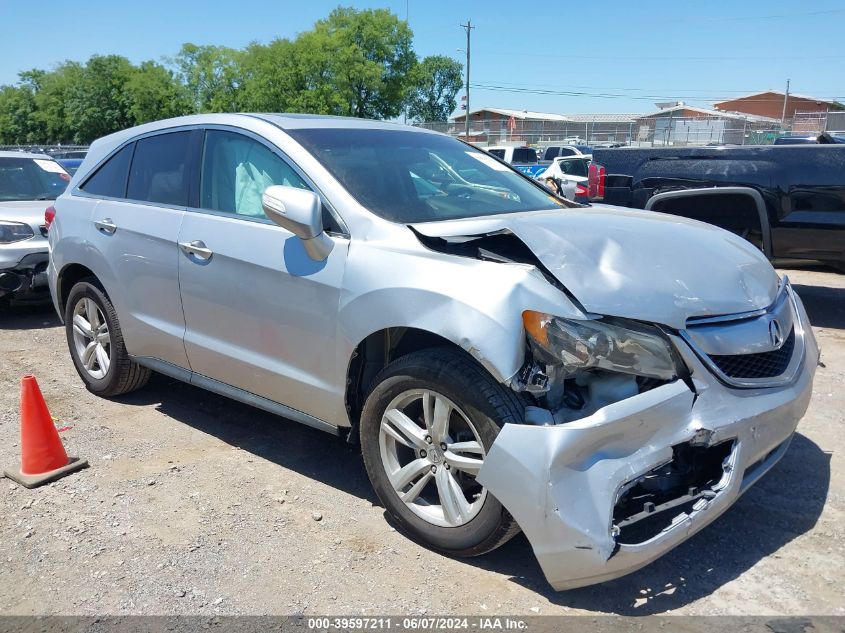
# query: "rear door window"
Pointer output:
{"type": "Point", "coordinates": [160, 169]}
{"type": "Point", "coordinates": [498, 153]}
{"type": "Point", "coordinates": [110, 179]}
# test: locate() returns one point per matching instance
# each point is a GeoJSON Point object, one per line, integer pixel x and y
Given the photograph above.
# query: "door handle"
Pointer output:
{"type": "Point", "coordinates": [197, 248]}
{"type": "Point", "coordinates": [106, 226]}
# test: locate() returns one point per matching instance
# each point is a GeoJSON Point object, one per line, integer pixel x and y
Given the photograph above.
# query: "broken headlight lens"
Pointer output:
{"type": "Point", "coordinates": [615, 345]}
{"type": "Point", "coordinates": [14, 232]}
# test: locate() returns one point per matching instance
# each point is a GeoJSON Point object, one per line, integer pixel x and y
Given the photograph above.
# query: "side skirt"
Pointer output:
{"type": "Point", "coordinates": [235, 393]}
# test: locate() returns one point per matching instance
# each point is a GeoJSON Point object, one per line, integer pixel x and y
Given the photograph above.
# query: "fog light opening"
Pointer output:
{"type": "Point", "coordinates": [669, 494]}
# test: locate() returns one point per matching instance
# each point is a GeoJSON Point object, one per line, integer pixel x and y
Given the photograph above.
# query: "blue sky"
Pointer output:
{"type": "Point", "coordinates": [605, 56]}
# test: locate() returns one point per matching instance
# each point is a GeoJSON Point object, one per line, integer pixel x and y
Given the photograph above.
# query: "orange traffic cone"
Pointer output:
{"type": "Point", "coordinates": [43, 457]}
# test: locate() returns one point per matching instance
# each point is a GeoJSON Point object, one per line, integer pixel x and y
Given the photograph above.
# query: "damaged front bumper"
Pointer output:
{"type": "Point", "coordinates": [604, 495]}
{"type": "Point", "coordinates": [26, 279]}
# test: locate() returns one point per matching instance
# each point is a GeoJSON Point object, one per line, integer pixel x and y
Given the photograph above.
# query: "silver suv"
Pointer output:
{"type": "Point", "coordinates": [609, 381]}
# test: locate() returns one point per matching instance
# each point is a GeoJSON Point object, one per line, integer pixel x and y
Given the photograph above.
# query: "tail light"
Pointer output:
{"type": "Point", "coordinates": [49, 216]}
{"type": "Point", "coordinates": [581, 191]}
{"type": "Point", "coordinates": [598, 175]}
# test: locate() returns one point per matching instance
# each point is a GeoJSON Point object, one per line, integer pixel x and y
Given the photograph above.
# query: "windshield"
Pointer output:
{"type": "Point", "coordinates": [31, 179]}
{"type": "Point", "coordinates": [410, 177]}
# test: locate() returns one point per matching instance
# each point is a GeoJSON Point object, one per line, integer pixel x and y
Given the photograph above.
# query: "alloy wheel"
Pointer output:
{"type": "Point", "coordinates": [91, 338]}
{"type": "Point", "coordinates": [432, 453]}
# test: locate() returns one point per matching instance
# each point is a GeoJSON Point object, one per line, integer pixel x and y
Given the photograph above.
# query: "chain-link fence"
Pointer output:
{"type": "Point", "coordinates": [602, 130]}
{"type": "Point", "coordinates": [835, 122]}
{"type": "Point", "coordinates": [649, 131]}
{"type": "Point", "coordinates": [817, 122]}
{"type": "Point", "coordinates": [53, 150]}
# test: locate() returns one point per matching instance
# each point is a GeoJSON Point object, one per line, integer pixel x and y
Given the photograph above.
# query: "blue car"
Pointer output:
{"type": "Point", "coordinates": [70, 164]}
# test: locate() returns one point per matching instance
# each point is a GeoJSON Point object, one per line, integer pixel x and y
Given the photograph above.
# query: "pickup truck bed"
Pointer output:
{"type": "Point", "coordinates": [788, 200]}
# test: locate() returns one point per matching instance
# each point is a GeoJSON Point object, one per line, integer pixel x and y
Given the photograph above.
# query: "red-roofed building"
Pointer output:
{"type": "Point", "coordinates": [770, 104]}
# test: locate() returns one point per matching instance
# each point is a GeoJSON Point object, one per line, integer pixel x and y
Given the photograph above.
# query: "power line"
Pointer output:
{"type": "Point", "coordinates": [775, 16]}
{"type": "Point", "coordinates": [602, 95]}
{"type": "Point", "coordinates": [663, 58]}
{"type": "Point", "coordinates": [601, 88]}
{"type": "Point", "coordinates": [564, 93]}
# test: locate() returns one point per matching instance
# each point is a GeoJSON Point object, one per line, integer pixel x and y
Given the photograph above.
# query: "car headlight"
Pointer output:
{"type": "Point", "coordinates": [14, 232]}
{"type": "Point", "coordinates": [612, 344]}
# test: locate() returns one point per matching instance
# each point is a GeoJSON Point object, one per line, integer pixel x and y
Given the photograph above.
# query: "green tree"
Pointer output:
{"type": "Point", "coordinates": [52, 91]}
{"type": "Point", "coordinates": [355, 63]}
{"type": "Point", "coordinates": [435, 82]}
{"type": "Point", "coordinates": [98, 103]}
{"type": "Point", "coordinates": [370, 59]}
{"type": "Point", "coordinates": [291, 76]}
{"type": "Point", "coordinates": [212, 75]}
{"type": "Point", "coordinates": [154, 93]}
{"type": "Point", "coordinates": [17, 106]}
{"type": "Point", "coordinates": [267, 78]}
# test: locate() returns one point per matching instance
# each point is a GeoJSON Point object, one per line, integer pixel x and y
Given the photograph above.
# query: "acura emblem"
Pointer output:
{"type": "Point", "coordinates": [775, 334]}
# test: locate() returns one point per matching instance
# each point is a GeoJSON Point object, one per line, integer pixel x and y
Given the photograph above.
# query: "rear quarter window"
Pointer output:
{"type": "Point", "coordinates": [110, 178]}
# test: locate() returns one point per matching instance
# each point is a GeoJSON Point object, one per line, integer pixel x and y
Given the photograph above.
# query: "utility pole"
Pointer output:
{"type": "Point", "coordinates": [468, 28]}
{"type": "Point", "coordinates": [785, 97]}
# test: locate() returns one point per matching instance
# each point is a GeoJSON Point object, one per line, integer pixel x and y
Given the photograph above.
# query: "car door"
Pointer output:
{"type": "Point", "coordinates": [144, 189]}
{"type": "Point", "coordinates": [260, 315]}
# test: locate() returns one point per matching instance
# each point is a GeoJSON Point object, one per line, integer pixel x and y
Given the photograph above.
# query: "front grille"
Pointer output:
{"type": "Point", "coordinates": [763, 365]}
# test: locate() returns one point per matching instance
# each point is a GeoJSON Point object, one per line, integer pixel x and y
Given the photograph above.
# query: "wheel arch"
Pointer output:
{"type": "Point", "coordinates": [377, 350]}
{"type": "Point", "coordinates": [67, 279]}
{"type": "Point", "coordinates": [473, 306]}
{"type": "Point", "coordinates": [709, 192]}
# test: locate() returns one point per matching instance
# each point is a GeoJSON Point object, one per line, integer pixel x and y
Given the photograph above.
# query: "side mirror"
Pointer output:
{"type": "Point", "coordinates": [300, 212]}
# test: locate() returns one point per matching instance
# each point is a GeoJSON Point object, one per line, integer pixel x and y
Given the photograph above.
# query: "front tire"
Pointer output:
{"type": "Point", "coordinates": [96, 343]}
{"type": "Point", "coordinates": [426, 427]}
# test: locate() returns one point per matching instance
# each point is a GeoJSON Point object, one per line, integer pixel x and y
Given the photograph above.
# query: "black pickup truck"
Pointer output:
{"type": "Point", "coordinates": [789, 200]}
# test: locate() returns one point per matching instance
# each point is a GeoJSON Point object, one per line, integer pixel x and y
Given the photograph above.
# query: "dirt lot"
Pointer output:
{"type": "Point", "coordinates": [196, 504]}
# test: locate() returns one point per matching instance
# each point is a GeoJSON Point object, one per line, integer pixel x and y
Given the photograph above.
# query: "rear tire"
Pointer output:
{"type": "Point", "coordinates": [96, 343]}
{"type": "Point", "coordinates": [440, 505]}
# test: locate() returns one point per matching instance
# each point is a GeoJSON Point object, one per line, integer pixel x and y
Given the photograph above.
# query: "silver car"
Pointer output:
{"type": "Point", "coordinates": [608, 381]}
{"type": "Point", "coordinates": [28, 185]}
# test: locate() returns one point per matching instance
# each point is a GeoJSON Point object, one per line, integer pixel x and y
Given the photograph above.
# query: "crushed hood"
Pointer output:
{"type": "Point", "coordinates": [637, 264]}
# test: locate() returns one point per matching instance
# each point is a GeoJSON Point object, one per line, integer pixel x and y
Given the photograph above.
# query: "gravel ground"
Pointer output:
{"type": "Point", "coordinates": [197, 504]}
